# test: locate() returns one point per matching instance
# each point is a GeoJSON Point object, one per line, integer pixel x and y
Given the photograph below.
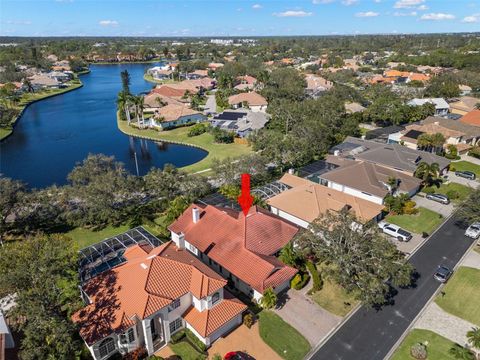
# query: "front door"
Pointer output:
{"type": "Point", "coordinates": [157, 333]}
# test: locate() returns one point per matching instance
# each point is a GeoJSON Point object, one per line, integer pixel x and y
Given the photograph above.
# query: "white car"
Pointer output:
{"type": "Point", "coordinates": [473, 231]}
{"type": "Point", "coordinates": [395, 231]}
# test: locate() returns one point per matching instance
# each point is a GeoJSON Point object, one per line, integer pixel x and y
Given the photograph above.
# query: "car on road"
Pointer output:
{"type": "Point", "coordinates": [466, 174]}
{"type": "Point", "coordinates": [473, 231]}
{"type": "Point", "coordinates": [395, 231]}
{"type": "Point", "coordinates": [442, 199]}
{"type": "Point", "coordinates": [442, 274]}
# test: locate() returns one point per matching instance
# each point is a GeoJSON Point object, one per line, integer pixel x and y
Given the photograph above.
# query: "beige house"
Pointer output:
{"type": "Point", "coordinates": [253, 100]}
{"type": "Point", "coordinates": [464, 105]}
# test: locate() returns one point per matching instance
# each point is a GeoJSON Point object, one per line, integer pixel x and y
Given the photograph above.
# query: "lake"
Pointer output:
{"type": "Point", "coordinates": [56, 133]}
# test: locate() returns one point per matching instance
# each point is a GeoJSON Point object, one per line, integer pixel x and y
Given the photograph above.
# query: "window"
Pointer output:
{"type": "Point", "coordinates": [175, 325]}
{"type": "Point", "coordinates": [175, 304]}
{"type": "Point", "coordinates": [106, 347]}
{"type": "Point", "coordinates": [128, 336]}
{"type": "Point", "coordinates": [215, 298]}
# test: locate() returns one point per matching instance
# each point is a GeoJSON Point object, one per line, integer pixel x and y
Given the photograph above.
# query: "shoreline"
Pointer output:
{"type": "Point", "coordinates": [46, 96]}
{"type": "Point", "coordinates": [125, 62]}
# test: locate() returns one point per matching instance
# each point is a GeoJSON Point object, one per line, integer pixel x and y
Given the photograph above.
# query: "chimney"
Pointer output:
{"type": "Point", "coordinates": [195, 215]}
{"type": "Point", "coordinates": [291, 171]}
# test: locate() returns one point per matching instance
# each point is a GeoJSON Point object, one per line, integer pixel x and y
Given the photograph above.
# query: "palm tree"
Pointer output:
{"type": "Point", "coordinates": [459, 352]}
{"type": "Point", "coordinates": [393, 183]}
{"type": "Point", "coordinates": [438, 140]}
{"type": "Point", "coordinates": [141, 106]}
{"type": "Point", "coordinates": [269, 299]}
{"type": "Point", "coordinates": [123, 104]}
{"type": "Point", "coordinates": [424, 141]}
{"type": "Point", "coordinates": [473, 337]}
{"type": "Point", "coordinates": [427, 172]}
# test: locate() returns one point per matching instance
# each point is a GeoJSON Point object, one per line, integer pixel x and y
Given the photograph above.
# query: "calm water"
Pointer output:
{"type": "Point", "coordinates": [54, 134]}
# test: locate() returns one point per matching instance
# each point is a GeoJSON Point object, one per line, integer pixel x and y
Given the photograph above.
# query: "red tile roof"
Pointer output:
{"type": "Point", "coordinates": [471, 118]}
{"type": "Point", "coordinates": [251, 98]}
{"type": "Point", "coordinates": [208, 321]}
{"type": "Point", "coordinates": [242, 245]}
{"type": "Point", "coordinates": [168, 91]}
{"type": "Point", "coordinates": [143, 285]}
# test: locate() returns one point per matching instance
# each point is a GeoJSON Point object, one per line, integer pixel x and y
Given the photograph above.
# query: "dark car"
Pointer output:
{"type": "Point", "coordinates": [443, 199]}
{"type": "Point", "coordinates": [466, 174]}
{"type": "Point", "coordinates": [237, 355]}
{"type": "Point", "coordinates": [442, 274]}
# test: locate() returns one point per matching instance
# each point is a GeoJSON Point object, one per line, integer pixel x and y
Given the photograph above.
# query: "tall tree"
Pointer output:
{"type": "Point", "coordinates": [125, 76]}
{"type": "Point", "coordinates": [12, 195]}
{"type": "Point", "coordinates": [42, 272]}
{"type": "Point", "coordinates": [357, 256]}
{"type": "Point", "coordinates": [428, 173]}
{"type": "Point", "coordinates": [470, 209]}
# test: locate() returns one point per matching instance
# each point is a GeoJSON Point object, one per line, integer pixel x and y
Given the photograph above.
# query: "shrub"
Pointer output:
{"type": "Point", "coordinates": [452, 168]}
{"type": "Point", "coordinates": [222, 136]}
{"type": "Point", "coordinates": [418, 351]}
{"type": "Point", "coordinates": [179, 335]}
{"type": "Point", "coordinates": [217, 356]}
{"type": "Point", "coordinates": [475, 152]}
{"type": "Point", "coordinates": [299, 281]}
{"type": "Point", "coordinates": [269, 299]}
{"type": "Point", "coordinates": [197, 129]}
{"type": "Point", "coordinates": [409, 208]}
{"type": "Point", "coordinates": [137, 354]}
{"type": "Point", "coordinates": [453, 194]}
{"type": "Point", "coordinates": [248, 320]}
{"type": "Point", "coordinates": [428, 190]}
{"type": "Point", "coordinates": [316, 277]}
{"type": "Point", "coordinates": [424, 234]}
{"type": "Point", "coordinates": [195, 340]}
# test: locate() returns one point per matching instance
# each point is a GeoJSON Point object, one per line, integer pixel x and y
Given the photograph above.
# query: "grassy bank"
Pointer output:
{"type": "Point", "coordinates": [204, 141]}
{"type": "Point", "coordinates": [150, 78]}
{"type": "Point", "coordinates": [28, 98]}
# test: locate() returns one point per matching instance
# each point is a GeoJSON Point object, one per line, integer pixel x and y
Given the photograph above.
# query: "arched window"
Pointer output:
{"type": "Point", "coordinates": [106, 347]}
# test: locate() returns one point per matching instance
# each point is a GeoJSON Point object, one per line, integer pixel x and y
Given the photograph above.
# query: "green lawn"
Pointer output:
{"type": "Point", "coordinates": [462, 295]}
{"type": "Point", "coordinates": [150, 78]}
{"type": "Point", "coordinates": [462, 190]}
{"type": "Point", "coordinates": [437, 347]}
{"type": "Point", "coordinates": [334, 299]}
{"type": "Point", "coordinates": [281, 337]}
{"type": "Point", "coordinates": [85, 237]}
{"type": "Point", "coordinates": [204, 141]}
{"type": "Point", "coordinates": [186, 351]}
{"type": "Point", "coordinates": [466, 166]}
{"type": "Point", "coordinates": [425, 220]}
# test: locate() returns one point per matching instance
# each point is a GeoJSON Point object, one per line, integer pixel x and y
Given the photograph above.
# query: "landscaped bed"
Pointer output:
{"type": "Point", "coordinates": [461, 294]}
{"type": "Point", "coordinates": [204, 141]}
{"type": "Point", "coordinates": [437, 347]}
{"type": "Point", "coordinates": [466, 166]}
{"type": "Point", "coordinates": [281, 337]}
{"type": "Point", "coordinates": [463, 191]}
{"type": "Point", "coordinates": [424, 221]}
{"type": "Point", "coordinates": [186, 351]}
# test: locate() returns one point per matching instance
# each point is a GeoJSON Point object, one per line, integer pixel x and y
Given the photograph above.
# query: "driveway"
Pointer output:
{"type": "Point", "coordinates": [312, 321]}
{"type": "Point", "coordinates": [407, 247]}
{"type": "Point", "coordinates": [445, 210]}
{"type": "Point", "coordinates": [211, 105]}
{"type": "Point", "coordinates": [459, 180]}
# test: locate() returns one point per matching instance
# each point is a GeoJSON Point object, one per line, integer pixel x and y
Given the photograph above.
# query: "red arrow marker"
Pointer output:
{"type": "Point", "coordinates": [245, 199]}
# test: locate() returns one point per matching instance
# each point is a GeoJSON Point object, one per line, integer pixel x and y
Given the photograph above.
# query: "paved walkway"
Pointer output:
{"type": "Point", "coordinates": [211, 105]}
{"type": "Point", "coordinates": [245, 340]}
{"type": "Point", "coordinates": [472, 260]}
{"type": "Point", "coordinates": [300, 311]}
{"type": "Point", "coordinates": [422, 201]}
{"type": "Point", "coordinates": [445, 324]}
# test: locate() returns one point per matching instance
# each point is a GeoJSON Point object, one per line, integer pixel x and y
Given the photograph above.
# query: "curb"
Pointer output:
{"type": "Point", "coordinates": [434, 295]}
{"type": "Point", "coordinates": [354, 310]}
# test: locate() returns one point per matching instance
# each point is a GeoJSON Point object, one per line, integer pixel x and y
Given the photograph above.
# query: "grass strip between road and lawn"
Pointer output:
{"type": "Point", "coordinates": [424, 221]}
{"type": "Point", "coordinates": [463, 191]}
{"type": "Point", "coordinates": [282, 337]}
{"type": "Point", "coordinates": [437, 346]}
{"type": "Point", "coordinates": [462, 294]}
{"type": "Point", "coordinates": [466, 166]}
{"type": "Point", "coordinates": [179, 135]}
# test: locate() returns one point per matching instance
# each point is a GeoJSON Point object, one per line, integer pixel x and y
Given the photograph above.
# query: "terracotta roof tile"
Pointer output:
{"type": "Point", "coordinates": [208, 321]}
{"type": "Point", "coordinates": [471, 118]}
{"type": "Point", "coordinates": [252, 98]}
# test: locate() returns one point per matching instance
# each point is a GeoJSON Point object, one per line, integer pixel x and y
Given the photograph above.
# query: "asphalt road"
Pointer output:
{"type": "Point", "coordinates": [370, 334]}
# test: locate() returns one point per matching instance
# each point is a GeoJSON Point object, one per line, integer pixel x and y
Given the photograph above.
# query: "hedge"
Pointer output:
{"type": "Point", "coordinates": [179, 335]}
{"type": "Point", "coordinates": [299, 281]}
{"type": "Point", "coordinates": [316, 277]}
{"type": "Point", "coordinates": [195, 340]}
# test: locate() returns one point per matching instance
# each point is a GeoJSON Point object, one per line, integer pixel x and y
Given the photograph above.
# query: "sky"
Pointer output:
{"type": "Point", "coordinates": [235, 17]}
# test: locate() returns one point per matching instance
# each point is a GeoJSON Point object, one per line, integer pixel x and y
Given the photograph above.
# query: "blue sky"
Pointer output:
{"type": "Point", "coordinates": [235, 18]}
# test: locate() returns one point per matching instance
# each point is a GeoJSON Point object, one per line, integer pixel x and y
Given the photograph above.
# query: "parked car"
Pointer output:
{"type": "Point", "coordinates": [236, 355]}
{"type": "Point", "coordinates": [442, 274]}
{"type": "Point", "coordinates": [466, 174]}
{"type": "Point", "coordinates": [443, 199]}
{"type": "Point", "coordinates": [395, 231]}
{"type": "Point", "coordinates": [473, 231]}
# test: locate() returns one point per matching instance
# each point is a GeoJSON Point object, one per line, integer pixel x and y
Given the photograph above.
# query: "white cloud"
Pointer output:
{"type": "Point", "coordinates": [257, 6]}
{"type": "Point", "coordinates": [437, 16]}
{"type": "Point", "coordinates": [349, 2]}
{"type": "Point", "coordinates": [377, 1]}
{"type": "Point", "coordinates": [293, 13]}
{"type": "Point", "coordinates": [411, 13]}
{"type": "Point", "coordinates": [19, 22]}
{"type": "Point", "coordinates": [367, 14]}
{"type": "Point", "coordinates": [316, 2]}
{"type": "Point", "coordinates": [408, 4]}
{"type": "Point", "coordinates": [422, 7]}
{"type": "Point", "coordinates": [108, 22]}
{"type": "Point", "coordinates": [471, 19]}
